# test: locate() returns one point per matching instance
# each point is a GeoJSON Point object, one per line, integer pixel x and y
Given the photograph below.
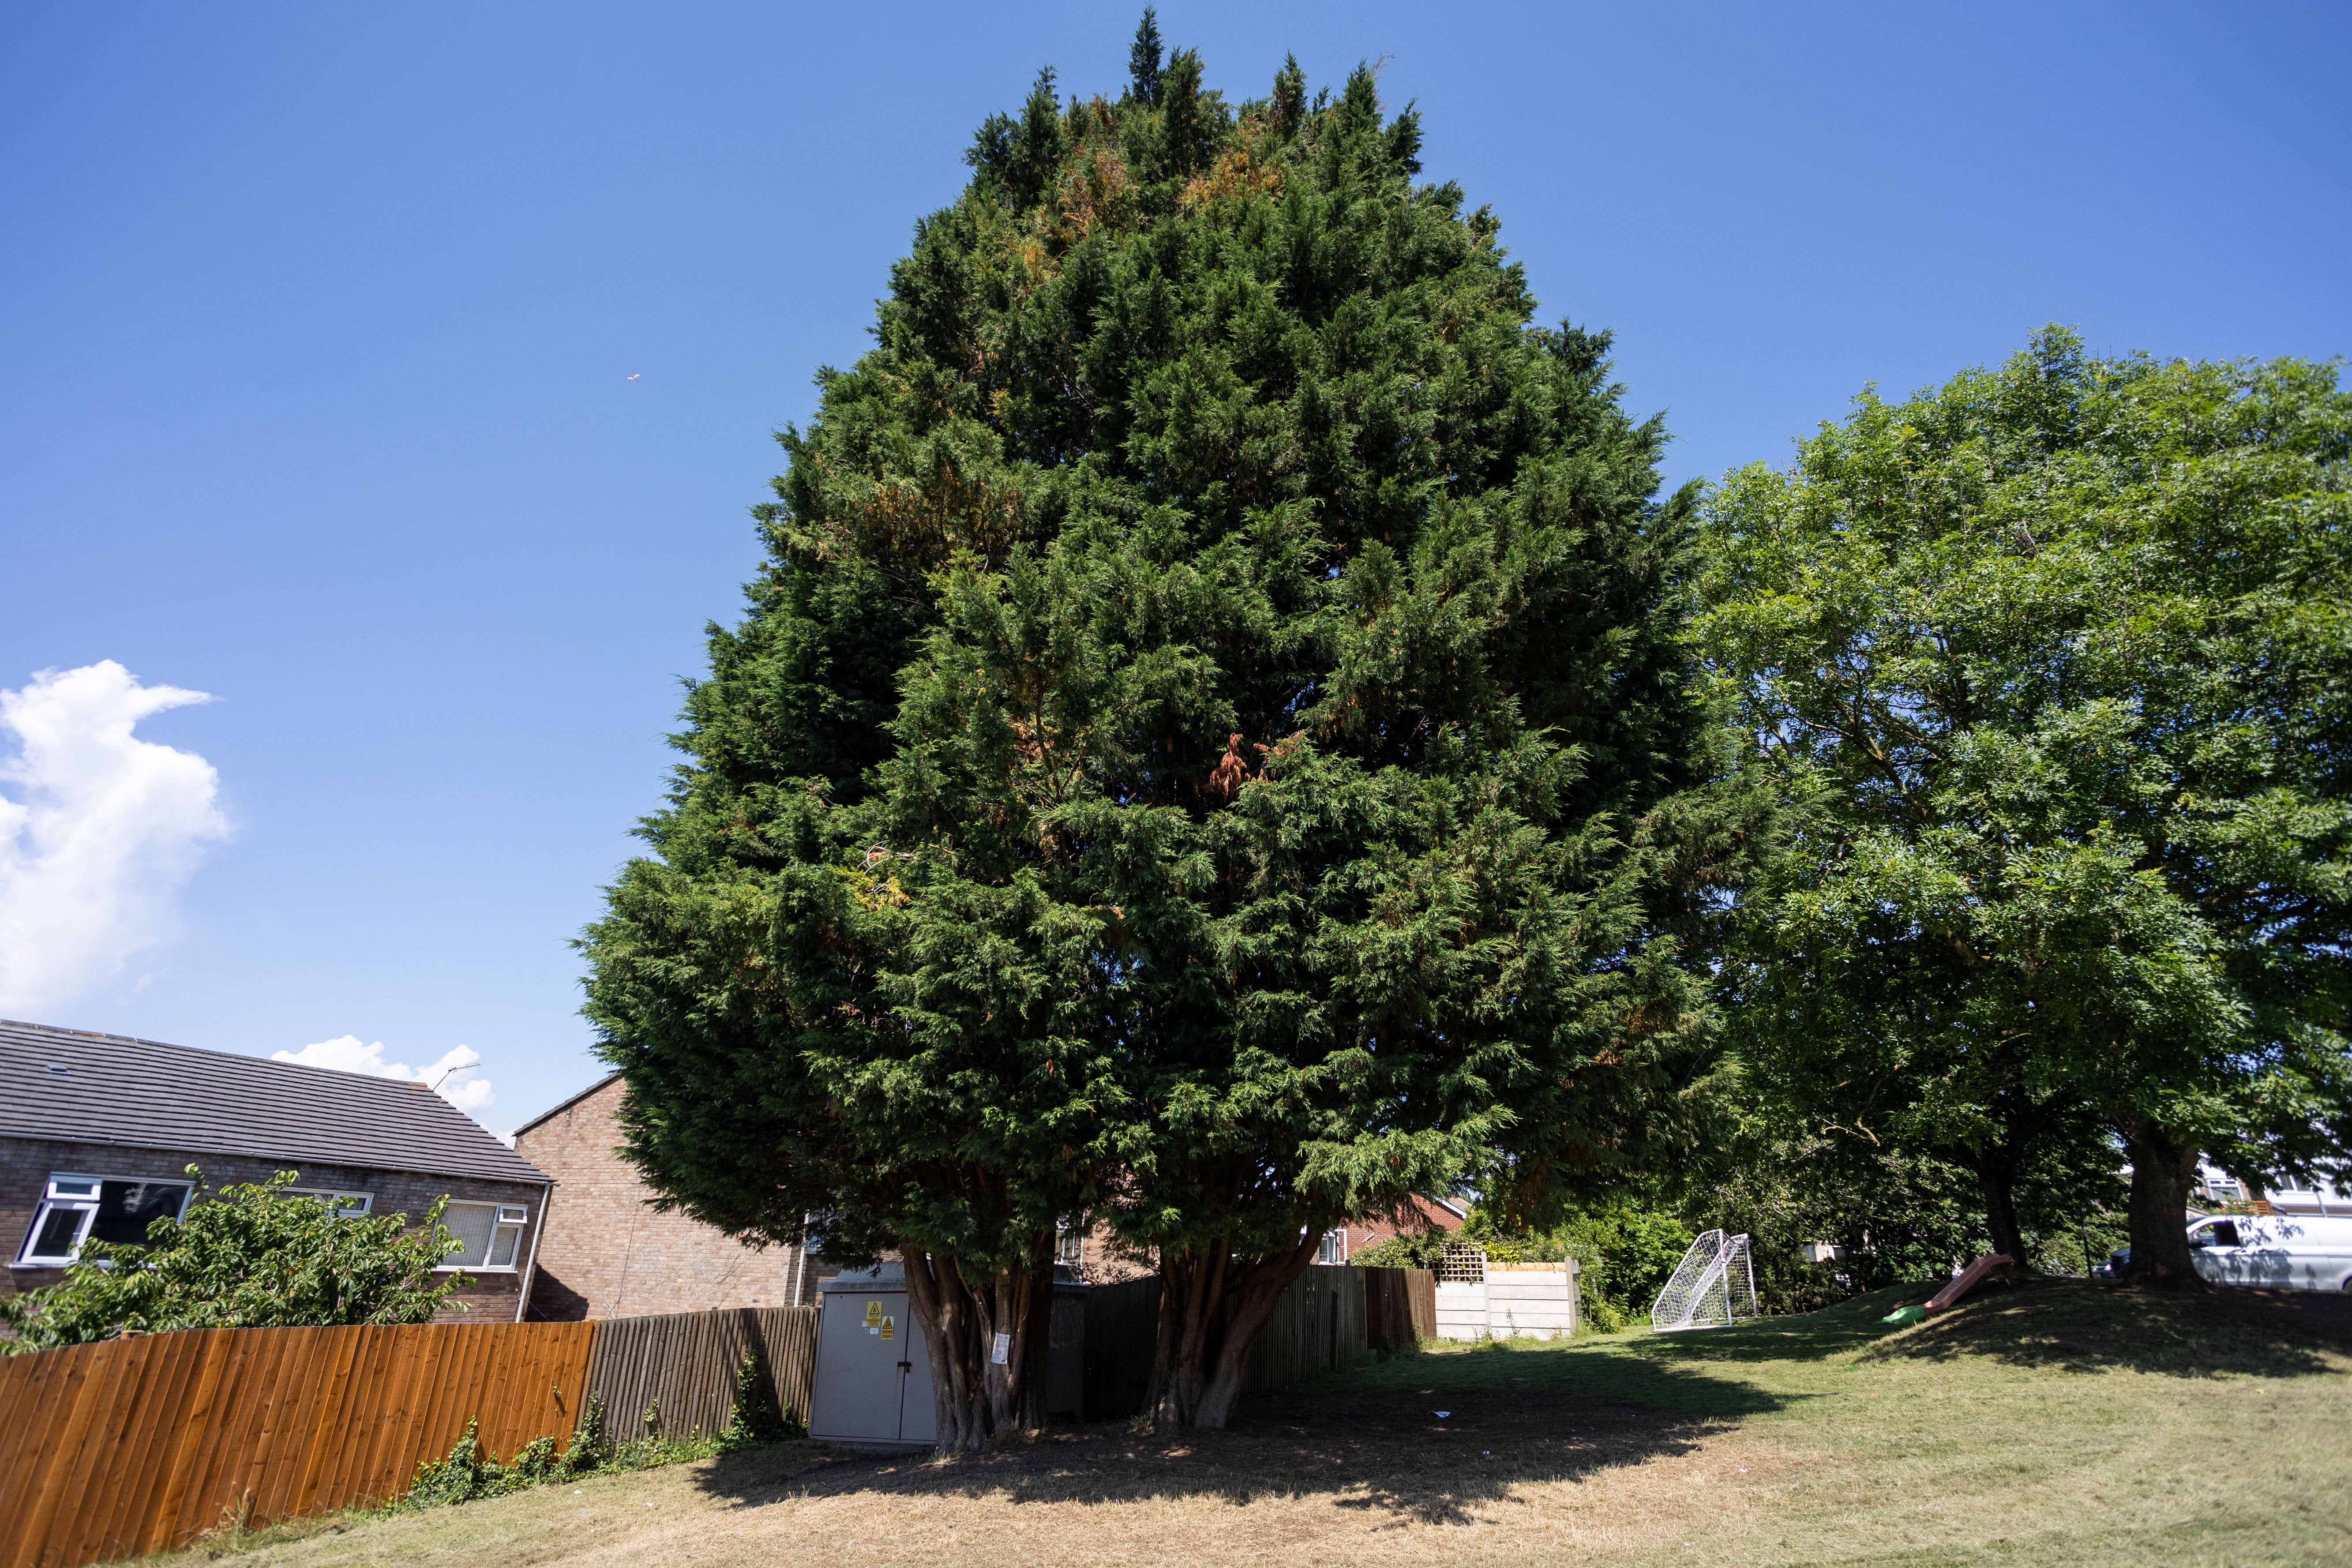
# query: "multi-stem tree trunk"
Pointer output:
{"type": "Point", "coordinates": [962, 1309]}
{"type": "Point", "coordinates": [1212, 1307]}
{"type": "Point", "coordinates": [2164, 1168]}
{"type": "Point", "coordinates": [1996, 1173]}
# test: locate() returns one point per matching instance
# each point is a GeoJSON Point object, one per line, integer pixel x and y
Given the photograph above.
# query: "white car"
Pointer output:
{"type": "Point", "coordinates": [2274, 1251]}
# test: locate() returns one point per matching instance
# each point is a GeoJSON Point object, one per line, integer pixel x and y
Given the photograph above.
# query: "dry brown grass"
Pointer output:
{"type": "Point", "coordinates": [2049, 1425]}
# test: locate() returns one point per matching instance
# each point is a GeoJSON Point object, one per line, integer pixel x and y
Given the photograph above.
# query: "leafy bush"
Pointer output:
{"type": "Point", "coordinates": [469, 1473]}
{"type": "Point", "coordinates": [255, 1255]}
{"type": "Point", "coordinates": [755, 1418]}
{"type": "Point", "coordinates": [1403, 1252]}
{"type": "Point", "coordinates": [1600, 1315]}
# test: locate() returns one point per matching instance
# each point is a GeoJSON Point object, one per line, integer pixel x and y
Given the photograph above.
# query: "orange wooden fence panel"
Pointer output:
{"type": "Point", "coordinates": [136, 1444]}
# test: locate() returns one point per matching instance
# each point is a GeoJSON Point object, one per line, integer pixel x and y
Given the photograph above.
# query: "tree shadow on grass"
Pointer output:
{"type": "Point", "coordinates": [2070, 1325]}
{"type": "Point", "coordinates": [1385, 1451]}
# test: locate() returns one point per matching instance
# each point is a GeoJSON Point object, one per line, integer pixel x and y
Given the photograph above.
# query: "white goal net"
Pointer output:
{"type": "Point", "coordinates": [1714, 1285]}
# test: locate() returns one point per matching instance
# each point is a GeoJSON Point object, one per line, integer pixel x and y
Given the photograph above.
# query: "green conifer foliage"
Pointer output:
{"type": "Point", "coordinates": [1209, 747]}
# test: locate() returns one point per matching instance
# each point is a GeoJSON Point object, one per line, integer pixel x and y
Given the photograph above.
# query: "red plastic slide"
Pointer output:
{"type": "Point", "coordinates": [1965, 1280]}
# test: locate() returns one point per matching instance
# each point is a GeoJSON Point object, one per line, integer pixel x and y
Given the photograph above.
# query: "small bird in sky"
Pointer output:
{"type": "Point", "coordinates": [632, 378]}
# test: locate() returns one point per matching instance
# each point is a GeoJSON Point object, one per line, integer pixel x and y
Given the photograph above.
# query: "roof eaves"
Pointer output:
{"type": "Point", "coordinates": [536, 1177]}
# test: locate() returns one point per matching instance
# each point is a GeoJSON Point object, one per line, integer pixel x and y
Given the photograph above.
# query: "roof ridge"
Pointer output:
{"type": "Point", "coordinates": [564, 1105]}
{"type": "Point", "coordinates": [272, 1061]}
{"type": "Point", "coordinates": [159, 1094]}
{"type": "Point", "coordinates": [97, 1034]}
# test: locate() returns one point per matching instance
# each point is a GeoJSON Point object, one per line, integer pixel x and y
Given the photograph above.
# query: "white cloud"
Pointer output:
{"type": "Point", "coordinates": [452, 1076]}
{"type": "Point", "coordinates": [98, 830]}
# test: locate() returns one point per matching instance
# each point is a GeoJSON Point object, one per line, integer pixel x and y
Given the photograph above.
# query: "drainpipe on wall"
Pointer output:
{"type": "Point", "coordinates": [531, 1269]}
{"type": "Point", "coordinates": [801, 1264]}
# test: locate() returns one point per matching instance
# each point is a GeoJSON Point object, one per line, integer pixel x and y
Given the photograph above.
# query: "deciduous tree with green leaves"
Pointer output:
{"type": "Point", "coordinates": [1211, 746]}
{"type": "Point", "coordinates": [251, 1255]}
{"type": "Point", "coordinates": [2051, 668]}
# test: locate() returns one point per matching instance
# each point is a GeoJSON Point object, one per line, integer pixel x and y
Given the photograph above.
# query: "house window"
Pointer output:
{"type": "Point", "coordinates": [492, 1234]}
{"type": "Point", "coordinates": [75, 1209]}
{"type": "Point", "coordinates": [1070, 1246]}
{"type": "Point", "coordinates": [1334, 1248]}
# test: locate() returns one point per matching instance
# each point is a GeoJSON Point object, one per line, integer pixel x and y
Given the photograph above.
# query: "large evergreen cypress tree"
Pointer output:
{"type": "Point", "coordinates": [1210, 745]}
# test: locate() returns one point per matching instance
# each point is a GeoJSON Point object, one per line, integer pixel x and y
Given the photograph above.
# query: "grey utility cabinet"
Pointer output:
{"type": "Point", "coordinates": [873, 1374]}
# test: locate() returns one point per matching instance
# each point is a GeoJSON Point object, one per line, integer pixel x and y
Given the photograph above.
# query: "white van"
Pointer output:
{"type": "Point", "coordinates": [2274, 1251]}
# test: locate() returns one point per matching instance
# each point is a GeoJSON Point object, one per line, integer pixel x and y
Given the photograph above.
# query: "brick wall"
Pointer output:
{"type": "Point", "coordinates": [608, 1253]}
{"type": "Point", "coordinates": [1102, 1260]}
{"type": "Point", "coordinates": [26, 1164]}
{"type": "Point", "coordinates": [1426, 1215]}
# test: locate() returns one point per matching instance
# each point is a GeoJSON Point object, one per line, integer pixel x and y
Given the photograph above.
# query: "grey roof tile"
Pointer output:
{"type": "Point", "coordinates": [147, 1095]}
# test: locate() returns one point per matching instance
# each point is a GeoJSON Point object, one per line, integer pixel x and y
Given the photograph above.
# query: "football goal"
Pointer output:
{"type": "Point", "coordinates": [1714, 1285]}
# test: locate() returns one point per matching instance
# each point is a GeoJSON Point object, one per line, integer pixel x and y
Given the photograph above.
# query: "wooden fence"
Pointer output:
{"type": "Point", "coordinates": [673, 1375]}
{"type": "Point", "coordinates": [1316, 1326]}
{"type": "Point", "coordinates": [1399, 1307]}
{"type": "Point", "coordinates": [136, 1444]}
{"type": "Point", "coordinates": [1122, 1335]}
{"type": "Point", "coordinates": [1323, 1322]}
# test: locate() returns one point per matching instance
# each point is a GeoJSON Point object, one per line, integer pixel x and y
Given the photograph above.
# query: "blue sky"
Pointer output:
{"type": "Point", "coordinates": [318, 325]}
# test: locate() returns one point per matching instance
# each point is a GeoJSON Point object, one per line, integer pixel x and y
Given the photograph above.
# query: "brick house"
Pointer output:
{"type": "Point", "coordinates": [1427, 1214]}
{"type": "Point", "coordinates": [609, 1253]}
{"type": "Point", "coordinates": [97, 1132]}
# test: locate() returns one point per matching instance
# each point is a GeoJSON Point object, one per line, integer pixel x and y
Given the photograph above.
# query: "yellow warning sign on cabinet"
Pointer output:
{"type": "Point", "coordinates": [888, 1325]}
{"type": "Point", "coordinates": [873, 1314]}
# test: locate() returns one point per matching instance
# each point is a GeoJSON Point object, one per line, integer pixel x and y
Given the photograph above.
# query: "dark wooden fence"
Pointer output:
{"type": "Point", "coordinates": [1330, 1318]}
{"type": "Point", "coordinates": [673, 1375]}
{"type": "Point", "coordinates": [1399, 1307]}
{"type": "Point", "coordinates": [136, 1444]}
{"type": "Point", "coordinates": [1122, 1333]}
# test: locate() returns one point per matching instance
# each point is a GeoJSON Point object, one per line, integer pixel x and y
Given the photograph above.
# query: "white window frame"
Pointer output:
{"type": "Point", "coordinates": [515, 1217]}
{"type": "Point", "coordinates": [1333, 1249]}
{"type": "Point", "coordinates": [87, 1202]}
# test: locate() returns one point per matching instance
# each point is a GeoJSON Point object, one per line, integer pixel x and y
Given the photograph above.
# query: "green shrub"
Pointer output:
{"type": "Point", "coordinates": [1600, 1315]}
{"type": "Point", "coordinates": [1403, 1252]}
{"type": "Point", "coordinates": [253, 1255]}
{"type": "Point", "coordinates": [468, 1473]}
{"type": "Point", "coordinates": [755, 1418]}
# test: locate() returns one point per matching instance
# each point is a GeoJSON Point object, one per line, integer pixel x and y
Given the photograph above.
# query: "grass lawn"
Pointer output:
{"type": "Point", "coordinates": [2047, 1423]}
